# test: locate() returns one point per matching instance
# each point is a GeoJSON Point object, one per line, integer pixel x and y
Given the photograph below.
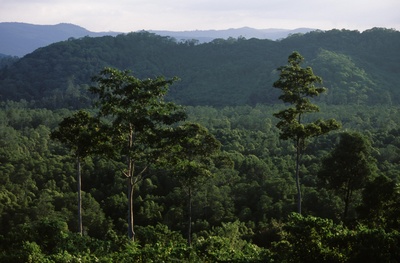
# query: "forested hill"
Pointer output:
{"type": "Point", "coordinates": [359, 68]}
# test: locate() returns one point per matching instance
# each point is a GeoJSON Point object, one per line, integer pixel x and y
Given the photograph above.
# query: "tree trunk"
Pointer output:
{"type": "Point", "coordinates": [79, 179]}
{"type": "Point", "coordinates": [190, 218]}
{"type": "Point", "coordinates": [131, 232]}
{"type": "Point", "coordinates": [346, 202]}
{"type": "Point", "coordinates": [298, 153]}
{"type": "Point", "coordinates": [130, 173]}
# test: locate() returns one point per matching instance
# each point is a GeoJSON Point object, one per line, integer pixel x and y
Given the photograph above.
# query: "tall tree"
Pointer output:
{"type": "Point", "coordinates": [348, 167]}
{"type": "Point", "coordinates": [191, 158]}
{"type": "Point", "coordinates": [78, 133]}
{"type": "Point", "coordinates": [380, 203]}
{"type": "Point", "coordinates": [298, 86]}
{"type": "Point", "coordinates": [137, 115]}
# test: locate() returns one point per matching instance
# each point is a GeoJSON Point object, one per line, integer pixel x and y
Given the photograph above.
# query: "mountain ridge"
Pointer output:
{"type": "Point", "coordinates": [19, 39]}
{"type": "Point", "coordinates": [246, 32]}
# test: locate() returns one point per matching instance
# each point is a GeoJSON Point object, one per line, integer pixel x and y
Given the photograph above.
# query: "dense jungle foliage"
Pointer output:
{"type": "Point", "coordinates": [242, 211]}
{"type": "Point", "coordinates": [357, 68]}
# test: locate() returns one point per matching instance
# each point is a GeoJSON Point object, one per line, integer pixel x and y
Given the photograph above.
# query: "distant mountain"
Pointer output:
{"type": "Point", "coordinates": [19, 39]}
{"type": "Point", "coordinates": [246, 32]}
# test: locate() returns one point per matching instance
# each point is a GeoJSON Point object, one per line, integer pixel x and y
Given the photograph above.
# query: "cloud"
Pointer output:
{"type": "Point", "coordinates": [132, 15]}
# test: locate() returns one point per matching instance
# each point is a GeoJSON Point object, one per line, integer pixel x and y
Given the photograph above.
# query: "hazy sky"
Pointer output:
{"type": "Point", "coordinates": [133, 15]}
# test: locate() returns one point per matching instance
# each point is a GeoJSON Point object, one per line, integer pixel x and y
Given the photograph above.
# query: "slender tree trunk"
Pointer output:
{"type": "Point", "coordinates": [190, 218]}
{"type": "Point", "coordinates": [79, 179]}
{"type": "Point", "coordinates": [131, 232]}
{"type": "Point", "coordinates": [130, 173]}
{"type": "Point", "coordinates": [346, 202]}
{"type": "Point", "coordinates": [298, 154]}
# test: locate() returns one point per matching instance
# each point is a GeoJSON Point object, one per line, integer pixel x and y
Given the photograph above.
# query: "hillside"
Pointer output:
{"type": "Point", "coordinates": [19, 39]}
{"type": "Point", "coordinates": [357, 68]}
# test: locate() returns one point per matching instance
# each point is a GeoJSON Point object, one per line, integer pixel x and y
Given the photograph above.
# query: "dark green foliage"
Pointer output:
{"type": "Point", "coordinates": [252, 186]}
{"type": "Point", "coordinates": [79, 132]}
{"type": "Point", "coordinates": [136, 118]}
{"type": "Point", "coordinates": [358, 68]}
{"type": "Point", "coordinates": [312, 239]}
{"type": "Point", "coordinates": [191, 150]}
{"type": "Point", "coordinates": [374, 245]}
{"type": "Point", "coordinates": [380, 203]}
{"type": "Point", "coordinates": [242, 212]}
{"type": "Point", "coordinates": [298, 86]}
{"type": "Point", "coordinates": [349, 167]}
{"type": "Point", "coordinates": [228, 244]}
{"type": "Point", "coordinates": [7, 61]}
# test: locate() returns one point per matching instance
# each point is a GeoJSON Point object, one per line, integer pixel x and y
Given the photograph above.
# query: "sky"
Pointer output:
{"type": "Point", "coordinates": [182, 15]}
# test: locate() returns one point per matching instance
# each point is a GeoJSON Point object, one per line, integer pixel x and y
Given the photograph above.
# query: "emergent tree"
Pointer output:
{"type": "Point", "coordinates": [79, 133]}
{"type": "Point", "coordinates": [348, 167]}
{"type": "Point", "coordinates": [191, 158]}
{"type": "Point", "coordinates": [297, 85]}
{"type": "Point", "coordinates": [137, 116]}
